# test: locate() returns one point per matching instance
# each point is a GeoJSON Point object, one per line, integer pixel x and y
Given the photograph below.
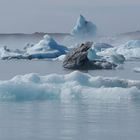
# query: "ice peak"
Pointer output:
{"type": "Point", "coordinates": [84, 28]}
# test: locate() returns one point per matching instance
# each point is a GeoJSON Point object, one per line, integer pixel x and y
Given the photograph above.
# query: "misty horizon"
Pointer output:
{"type": "Point", "coordinates": [110, 16]}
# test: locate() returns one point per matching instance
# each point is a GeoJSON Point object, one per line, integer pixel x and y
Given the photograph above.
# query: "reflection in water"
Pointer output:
{"type": "Point", "coordinates": [75, 119]}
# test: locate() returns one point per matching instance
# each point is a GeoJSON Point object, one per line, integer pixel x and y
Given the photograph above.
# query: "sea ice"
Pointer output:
{"type": "Point", "coordinates": [130, 50]}
{"type": "Point", "coordinates": [74, 85]}
{"type": "Point", "coordinates": [6, 53]}
{"type": "Point", "coordinates": [84, 29]}
{"type": "Point", "coordinates": [137, 69]}
{"type": "Point", "coordinates": [46, 48]}
{"type": "Point", "coordinates": [91, 55]}
{"type": "Point", "coordinates": [101, 46]}
{"type": "Point", "coordinates": [132, 44]}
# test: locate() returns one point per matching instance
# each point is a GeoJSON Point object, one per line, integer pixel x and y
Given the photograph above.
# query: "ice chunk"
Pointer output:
{"type": "Point", "coordinates": [92, 54]}
{"type": "Point", "coordinates": [132, 44]}
{"type": "Point", "coordinates": [117, 59]}
{"type": "Point", "coordinates": [6, 53]}
{"type": "Point", "coordinates": [84, 28]}
{"type": "Point", "coordinates": [137, 69]}
{"type": "Point", "coordinates": [46, 48]}
{"type": "Point", "coordinates": [74, 85]}
{"type": "Point", "coordinates": [130, 50]}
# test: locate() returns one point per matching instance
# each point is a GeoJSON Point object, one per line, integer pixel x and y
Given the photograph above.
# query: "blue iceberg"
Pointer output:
{"type": "Point", "coordinates": [75, 85]}
{"type": "Point", "coordinates": [84, 29]}
{"type": "Point", "coordinates": [46, 48]}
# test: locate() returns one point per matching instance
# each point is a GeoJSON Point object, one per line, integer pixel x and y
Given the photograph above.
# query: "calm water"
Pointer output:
{"type": "Point", "coordinates": [81, 118]}
{"type": "Point", "coordinates": [9, 69]}
{"type": "Point", "coordinates": [72, 119]}
{"type": "Point", "coordinates": [77, 119]}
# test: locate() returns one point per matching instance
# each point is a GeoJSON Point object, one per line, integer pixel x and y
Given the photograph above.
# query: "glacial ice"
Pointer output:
{"type": "Point", "coordinates": [84, 29]}
{"type": "Point", "coordinates": [97, 47]}
{"type": "Point", "coordinates": [117, 59]}
{"type": "Point", "coordinates": [132, 44]}
{"type": "Point", "coordinates": [6, 53]}
{"type": "Point", "coordinates": [130, 50]}
{"type": "Point", "coordinates": [71, 86]}
{"type": "Point", "coordinates": [46, 48]}
{"type": "Point", "coordinates": [101, 46]}
{"type": "Point", "coordinates": [92, 54]}
{"type": "Point", "coordinates": [137, 69]}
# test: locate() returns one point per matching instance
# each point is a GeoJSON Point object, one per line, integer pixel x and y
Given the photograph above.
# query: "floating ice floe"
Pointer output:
{"type": "Point", "coordinates": [130, 50]}
{"type": "Point", "coordinates": [137, 69]}
{"type": "Point", "coordinates": [6, 53]}
{"type": "Point", "coordinates": [117, 59]}
{"type": "Point", "coordinates": [46, 48]}
{"type": "Point", "coordinates": [75, 85]}
{"type": "Point", "coordinates": [132, 44]}
{"type": "Point", "coordinates": [99, 47]}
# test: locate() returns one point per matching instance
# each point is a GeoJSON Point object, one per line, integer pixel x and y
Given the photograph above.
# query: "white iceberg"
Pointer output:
{"type": "Point", "coordinates": [84, 29]}
{"type": "Point", "coordinates": [137, 69]}
{"type": "Point", "coordinates": [130, 50]}
{"type": "Point", "coordinates": [46, 48]}
{"type": "Point", "coordinates": [99, 47]}
{"type": "Point", "coordinates": [75, 85]}
{"type": "Point", "coordinates": [6, 53]}
{"type": "Point", "coordinates": [132, 44]}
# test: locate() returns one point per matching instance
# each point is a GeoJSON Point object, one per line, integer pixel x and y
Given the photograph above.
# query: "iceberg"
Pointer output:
{"type": "Point", "coordinates": [6, 53]}
{"type": "Point", "coordinates": [117, 59]}
{"type": "Point", "coordinates": [97, 47]}
{"type": "Point", "coordinates": [84, 29]}
{"type": "Point", "coordinates": [91, 54]}
{"type": "Point", "coordinates": [137, 69]}
{"type": "Point", "coordinates": [130, 50]}
{"type": "Point", "coordinates": [76, 85]}
{"type": "Point", "coordinates": [46, 48]}
{"type": "Point", "coordinates": [132, 44]}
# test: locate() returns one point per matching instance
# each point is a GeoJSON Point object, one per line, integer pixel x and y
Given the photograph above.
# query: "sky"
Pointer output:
{"type": "Point", "coordinates": [28, 16]}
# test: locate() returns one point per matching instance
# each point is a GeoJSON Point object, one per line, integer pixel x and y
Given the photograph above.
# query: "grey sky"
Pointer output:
{"type": "Point", "coordinates": [111, 16]}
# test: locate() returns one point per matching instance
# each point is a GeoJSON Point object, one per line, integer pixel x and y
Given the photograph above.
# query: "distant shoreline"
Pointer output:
{"type": "Point", "coordinates": [36, 33]}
